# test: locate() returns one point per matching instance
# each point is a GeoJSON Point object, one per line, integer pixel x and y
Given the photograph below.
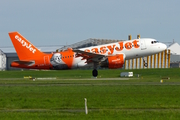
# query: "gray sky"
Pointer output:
{"type": "Point", "coordinates": [60, 22]}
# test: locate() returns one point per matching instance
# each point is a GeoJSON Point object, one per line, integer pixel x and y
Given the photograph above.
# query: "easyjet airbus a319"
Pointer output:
{"type": "Point", "coordinates": [111, 55]}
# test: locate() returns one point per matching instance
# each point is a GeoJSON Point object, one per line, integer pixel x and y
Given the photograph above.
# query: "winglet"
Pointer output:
{"type": "Point", "coordinates": [25, 50]}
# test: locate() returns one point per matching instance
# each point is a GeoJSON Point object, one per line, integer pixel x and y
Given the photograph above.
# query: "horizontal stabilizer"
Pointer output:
{"type": "Point", "coordinates": [27, 63]}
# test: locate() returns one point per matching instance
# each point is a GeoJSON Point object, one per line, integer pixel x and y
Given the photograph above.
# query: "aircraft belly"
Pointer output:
{"type": "Point", "coordinates": [137, 53]}
{"type": "Point", "coordinates": [60, 67]}
{"type": "Point", "coordinates": [77, 63]}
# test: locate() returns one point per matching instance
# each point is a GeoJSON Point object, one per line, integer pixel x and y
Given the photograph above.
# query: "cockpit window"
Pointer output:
{"type": "Point", "coordinates": [153, 42]}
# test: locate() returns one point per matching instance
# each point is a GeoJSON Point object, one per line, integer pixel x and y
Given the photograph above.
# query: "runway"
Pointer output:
{"type": "Point", "coordinates": [81, 82]}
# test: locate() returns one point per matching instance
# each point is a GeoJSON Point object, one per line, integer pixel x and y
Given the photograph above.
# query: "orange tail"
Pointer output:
{"type": "Point", "coordinates": [25, 50]}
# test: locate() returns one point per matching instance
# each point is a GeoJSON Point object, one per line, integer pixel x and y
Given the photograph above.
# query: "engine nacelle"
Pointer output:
{"type": "Point", "coordinates": [114, 62]}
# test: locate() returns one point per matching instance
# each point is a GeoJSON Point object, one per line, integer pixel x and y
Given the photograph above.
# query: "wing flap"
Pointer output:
{"type": "Point", "coordinates": [90, 57]}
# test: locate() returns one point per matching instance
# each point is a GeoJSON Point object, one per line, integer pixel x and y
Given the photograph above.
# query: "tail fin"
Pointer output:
{"type": "Point", "coordinates": [25, 50]}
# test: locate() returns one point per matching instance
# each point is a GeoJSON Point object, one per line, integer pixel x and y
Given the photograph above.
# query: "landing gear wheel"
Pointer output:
{"type": "Point", "coordinates": [95, 73]}
{"type": "Point", "coordinates": [145, 65]}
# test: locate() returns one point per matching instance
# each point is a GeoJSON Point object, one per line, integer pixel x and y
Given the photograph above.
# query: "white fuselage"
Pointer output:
{"type": "Point", "coordinates": [130, 49]}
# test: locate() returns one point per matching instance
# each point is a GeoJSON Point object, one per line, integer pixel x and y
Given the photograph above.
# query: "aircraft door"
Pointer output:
{"type": "Point", "coordinates": [46, 60]}
{"type": "Point", "coordinates": [143, 44]}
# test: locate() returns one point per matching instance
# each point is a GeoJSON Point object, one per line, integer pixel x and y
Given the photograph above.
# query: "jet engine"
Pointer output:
{"type": "Point", "coordinates": [113, 62]}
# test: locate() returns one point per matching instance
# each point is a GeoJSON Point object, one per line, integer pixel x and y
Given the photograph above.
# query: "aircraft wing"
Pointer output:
{"type": "Point", "coordinates": [28, 63]}
{"type": "Point", "coordinates": [89, 56]}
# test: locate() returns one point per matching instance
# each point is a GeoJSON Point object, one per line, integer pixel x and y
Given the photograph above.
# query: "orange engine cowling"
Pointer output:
{"type": "Point", "coordinates": [114, 62]}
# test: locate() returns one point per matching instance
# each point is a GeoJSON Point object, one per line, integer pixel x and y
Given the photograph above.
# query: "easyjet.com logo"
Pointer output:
{"type": "Point", "coordinates": [25, 44]}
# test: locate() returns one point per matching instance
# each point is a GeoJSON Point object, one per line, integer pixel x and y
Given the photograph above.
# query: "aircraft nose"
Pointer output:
{"type": "Point", "coordinates": [163, 46]}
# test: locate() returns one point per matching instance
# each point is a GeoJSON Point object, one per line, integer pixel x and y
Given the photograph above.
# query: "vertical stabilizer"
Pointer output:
{"type": "Point", "coordinates": [25, 50]}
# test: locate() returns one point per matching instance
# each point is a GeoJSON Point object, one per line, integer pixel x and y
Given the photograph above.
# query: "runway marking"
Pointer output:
{"type": "Point", "coordinates": [54, 79]}
{"type": "Point", "coordinates": [91, 84]}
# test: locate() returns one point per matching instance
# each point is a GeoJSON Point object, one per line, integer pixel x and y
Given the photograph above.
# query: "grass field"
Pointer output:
{"type": "Point", "coordinates": [108, 97]}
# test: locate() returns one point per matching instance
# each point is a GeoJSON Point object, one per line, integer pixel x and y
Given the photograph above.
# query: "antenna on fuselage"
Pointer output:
{"type": "Point", "coordinates": [138, 36]}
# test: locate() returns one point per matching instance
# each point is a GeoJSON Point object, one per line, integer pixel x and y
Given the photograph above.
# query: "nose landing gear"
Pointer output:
{"type": "Point", "coordinates": [145, 63]}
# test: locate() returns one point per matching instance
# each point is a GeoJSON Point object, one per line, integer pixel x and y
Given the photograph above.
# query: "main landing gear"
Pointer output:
{"type": "Point", "coordinates": [95, 73]}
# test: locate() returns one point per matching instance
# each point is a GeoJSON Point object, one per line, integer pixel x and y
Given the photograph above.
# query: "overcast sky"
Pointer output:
{"type": "Point", "coordinates": [61, 22]}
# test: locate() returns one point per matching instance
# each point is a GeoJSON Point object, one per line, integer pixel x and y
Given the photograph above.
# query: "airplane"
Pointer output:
{"type": "Point", "coordinates": [110, 56]}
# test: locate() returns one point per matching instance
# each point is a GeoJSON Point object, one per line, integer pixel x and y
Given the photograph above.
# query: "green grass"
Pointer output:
{"type": "Point", "coordinates": [138, 98]}
{"type": "Point", "coordinates": [113, 73]}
